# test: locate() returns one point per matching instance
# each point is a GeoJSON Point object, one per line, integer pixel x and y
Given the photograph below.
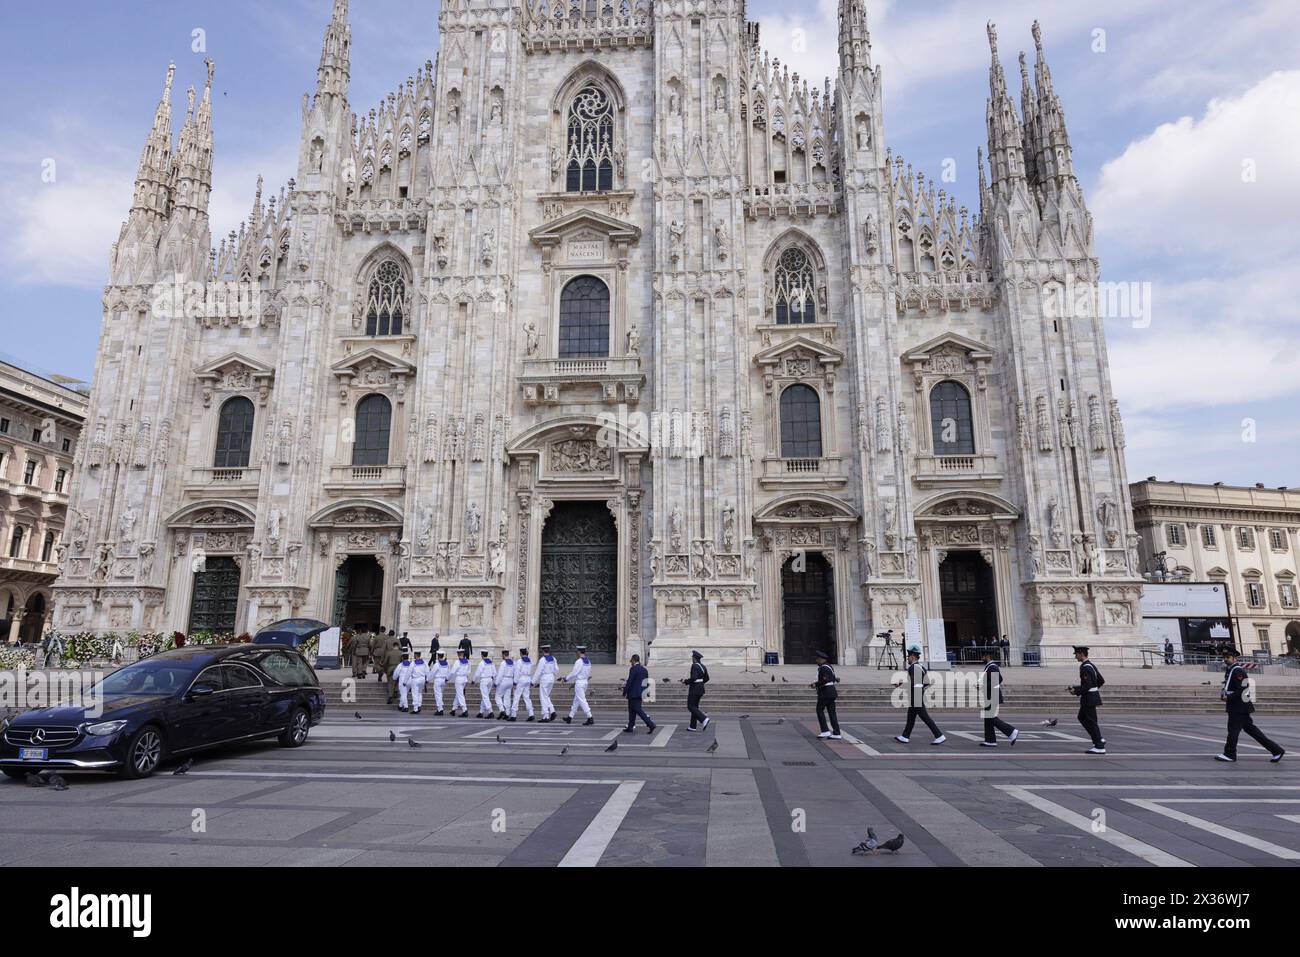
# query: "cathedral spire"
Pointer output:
{"type": "Point", "coordinates": [194, 152]}
{"type": "Point", "coordinates": [335, 55]}
{"type": "Point", "coordinates": [1006, 147]}
{"type": "Point", "coordinates": [1054, 138]}
{"type": "Point", "coordinates": [153, 180]}
{"type": "Point", "coordinates": [855, 38]}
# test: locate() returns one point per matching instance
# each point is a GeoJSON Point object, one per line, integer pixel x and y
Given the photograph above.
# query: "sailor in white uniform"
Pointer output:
{"type": "Point", "coordinates": [485, 675]}
{"type": "Point", "coordinates": [505, 686]}
{"type": "Point", "coordinates": [419, 676]}
{"type": "Point", "coordinates": [523, 685]}
{"type": "Point", "coordinates": [439, 672]}
{"type": "Point", "coordinates": [402, 678]}
{"type": "Point", "coordinates": [460, 676]}
{"type": "Point", "coordinates": [580, 677]}
{"type": "Point", "coordinates": [548, 669]}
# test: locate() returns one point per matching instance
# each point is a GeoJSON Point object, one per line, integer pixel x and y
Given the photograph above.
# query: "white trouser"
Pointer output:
{"type": "Point", "coordinates": [544, 695]}
{"type": "Point", "coordinates": [485, 696]}
{"type": "Point", "coordinates": [505, 694]}
{"type": "Point", "coordinates": [403, 689]}
{"type": "Point", "coordinates": [437, 692]}
{"type": "Point", "coordinates": [459, 704]}
{"type": "Point", "coordinates": [417, 694]}
{"type": "Point", "coordinates": [580, 698]}
{"type": "Point", "coordinates": [522, 693]}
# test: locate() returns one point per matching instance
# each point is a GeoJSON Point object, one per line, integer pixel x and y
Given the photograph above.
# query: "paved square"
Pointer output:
{"type": "Point", "coordinates": [751, 791]}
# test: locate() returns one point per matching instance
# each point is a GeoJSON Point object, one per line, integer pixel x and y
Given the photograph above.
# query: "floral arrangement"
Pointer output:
{"type": "Point", "coordinates": [13, 658]}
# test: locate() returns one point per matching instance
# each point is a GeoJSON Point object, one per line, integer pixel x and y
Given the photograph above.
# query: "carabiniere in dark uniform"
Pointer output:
{"type": "Point", "coordinates": [1088, 691]}
{"type": "Point", "coordinates": [1236, 695]}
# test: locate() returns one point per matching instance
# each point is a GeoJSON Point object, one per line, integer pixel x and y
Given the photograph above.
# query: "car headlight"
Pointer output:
{"type": "Point", "coordinates": [105, 728]}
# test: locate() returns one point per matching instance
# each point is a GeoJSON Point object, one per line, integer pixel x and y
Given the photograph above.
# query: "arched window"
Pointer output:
{"type": "Point", "coordinates": [950, 419]}
{"type": "Point", "coordinates": [47, 549]}
{"type": "Point", "coordinates": [16, 543]}
{"type": "Point", "coordinates": [801, 423]}
{"type": "Point", "coordinates": [374, 423]}
{"type": "Point", "coordinates": [234, 434]}
{"type": "Point", "coordinates": [584, 318]}
{"type": "Point", "coordinates": [589, 157]}
{"type": "Point", "coordinates": [385, 301]}
{"type": "Point", "coordinates": [796, 285]}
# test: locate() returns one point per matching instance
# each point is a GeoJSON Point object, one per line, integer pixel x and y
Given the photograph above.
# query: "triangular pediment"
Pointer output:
{"type": "Point", "coordinates": [800, 345]}
{"type": "Point", "coordinates": [236, 363]}
{"type": "Point", "coordinates": [373, 358]}
{"type": "Point", "coordinates": [599, 225]}
{"type": "Point", "coordinates": [950, 343]}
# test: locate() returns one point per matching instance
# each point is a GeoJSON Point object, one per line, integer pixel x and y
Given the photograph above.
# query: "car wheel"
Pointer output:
{"type": "Point", "coordinates": [295, 736]}
{"type": "Point", "coordinates": [143, 754]}
{"type": "Point", "coordinates": [17, 774]}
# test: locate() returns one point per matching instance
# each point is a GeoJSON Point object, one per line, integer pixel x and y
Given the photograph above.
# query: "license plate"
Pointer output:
{"type": "Point", "coordinates": [33, 754]}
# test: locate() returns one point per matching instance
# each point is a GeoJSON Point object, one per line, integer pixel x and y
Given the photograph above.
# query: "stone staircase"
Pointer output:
{"type": "Point", "coordinates": [791, 698]}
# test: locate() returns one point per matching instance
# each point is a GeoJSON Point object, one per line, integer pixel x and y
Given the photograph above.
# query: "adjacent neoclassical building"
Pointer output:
{"type": "Point", "coordinates": [1246, 539]}
{"type": "Point", "coordinates": [40, 422]}
{"type": "Point", "coordinates": [606, 328]}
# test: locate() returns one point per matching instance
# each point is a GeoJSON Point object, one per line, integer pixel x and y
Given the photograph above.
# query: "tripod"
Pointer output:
{"type": "Point", "coordinates": [885, 657]}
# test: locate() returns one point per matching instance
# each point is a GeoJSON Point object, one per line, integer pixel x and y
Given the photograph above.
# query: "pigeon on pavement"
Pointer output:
{"type": "Point", "coordinates": [893, 844]}
{"type": "Point", "coordinates": [613, 746]}
{"type": "Point", "coordinates": [712, 747]}
{"type": "Point", "coordinates": [391, 736]}
{"type": "Point", "coordinates": [869, 845]}
{"type": "Point", "coordinates": [57, 782]}
{"type": "Point", "coordinates": [563, 751]}
{"type": "Point", "coordinates": [774, 678]}
{"type": "Point", "coordinates": [1049, 723]}
{"type": "Point", "coordinates": [35, 781]}
{"type": "Point", "coordinates": [357, 715]}
{"type": "Point", "coordinates": [413, 743]}
{"type": "Point", "coordinates": [499, 741]}
{"type": "Point", "coordinates": [185, 766]}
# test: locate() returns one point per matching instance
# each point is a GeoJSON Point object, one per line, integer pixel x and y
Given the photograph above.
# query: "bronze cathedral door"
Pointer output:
{"type": "Point", "coordinates": [579, 581]}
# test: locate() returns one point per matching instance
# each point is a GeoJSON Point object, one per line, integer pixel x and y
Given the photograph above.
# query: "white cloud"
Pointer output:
{"type": "Point", "coordinates": [60, 232]}
{"type": "Point", "coordinates": [1183, 188]}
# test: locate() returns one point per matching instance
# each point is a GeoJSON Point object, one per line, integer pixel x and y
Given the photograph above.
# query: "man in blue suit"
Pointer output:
{"type": "Point", "coordinates": [633, 689]}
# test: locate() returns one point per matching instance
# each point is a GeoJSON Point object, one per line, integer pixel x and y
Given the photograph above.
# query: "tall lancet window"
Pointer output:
{"type": "Point", "coordinates": [386, 300]}
{"type": "Point", "coordinates": [590, 158]}
{"type": "Point", "coordinates": [795, 288]}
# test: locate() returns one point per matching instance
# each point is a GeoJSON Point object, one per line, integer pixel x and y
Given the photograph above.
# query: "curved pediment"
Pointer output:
{"type": "Point", "coordinates": [806, 507]}
{"type": "Point", "coordinates": [605, 433]}
{"type": "Point", "coordinates": [217, 512]}
{"type": "Point", "coordinates": [966, 504]}
{"type": "Point", "coordinates": [356, 512]}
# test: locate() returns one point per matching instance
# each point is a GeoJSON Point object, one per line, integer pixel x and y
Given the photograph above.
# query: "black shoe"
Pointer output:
{"type": "Point", "coordinates": [1277, 757]}
{"type": "Point", "coordinates": [589, 721]}
{"type": "Point", "coordinates": [651, 729]}
{"type": "Point", "coordinates": [568, 720]}
{"type": "Point", "coordinates": [530, 717]}
{"type": "Point", "coordinates": [629, 730]}
{"type": "Point", "coordinates": [437, 714]}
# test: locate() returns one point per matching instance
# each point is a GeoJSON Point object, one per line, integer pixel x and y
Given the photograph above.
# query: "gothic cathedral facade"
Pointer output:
{"type": "Point", "coordinates": [606, 329]}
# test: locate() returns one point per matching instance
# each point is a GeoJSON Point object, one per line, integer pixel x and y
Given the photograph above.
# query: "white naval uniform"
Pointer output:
{"type": "Point", "coordinates": [439, 672]}
{"type": "Point", "coordinates": [548, 669]}
{"type": "Point", "coordinates": [580, 677]}
{"type": "Point", "coordinates": [505, 685]}
{"type": "Point", "coordinates": [419, 677]}
{"type": "Point", "coordinates": [459, 675]}
{"type": "Point", "coordinates": [485, 674]}
{"type": "Point", "coordinates": [523, 686]}
{"type": "Point", "coordinates": [402, 675]}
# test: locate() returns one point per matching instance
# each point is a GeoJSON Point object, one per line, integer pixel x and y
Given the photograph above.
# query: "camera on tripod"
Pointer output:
{"type": "Point", "coordinates": [887, 635]}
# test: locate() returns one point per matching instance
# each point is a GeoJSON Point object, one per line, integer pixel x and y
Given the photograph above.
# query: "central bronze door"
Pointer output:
{"type": "Point", "coordinates": [216, 597]}
{"type": "Point", "coordinates": [808, 609]}
{"type": "Point", "coordinates": [579, 586]}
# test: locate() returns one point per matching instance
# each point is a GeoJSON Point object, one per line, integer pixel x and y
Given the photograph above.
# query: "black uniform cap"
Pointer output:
{"type": "Point", "coordinates": [1080, 649]}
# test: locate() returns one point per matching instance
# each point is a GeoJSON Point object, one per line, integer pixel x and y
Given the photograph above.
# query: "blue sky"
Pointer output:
{"type": "Point", "coordinates": [1184, 117]}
